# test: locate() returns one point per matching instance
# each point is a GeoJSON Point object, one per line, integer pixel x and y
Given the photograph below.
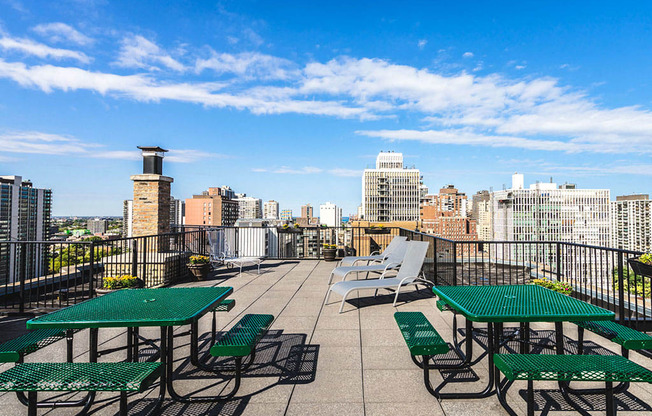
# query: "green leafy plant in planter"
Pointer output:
{"type": "Point", "coordinates": [199, 266]}
{"type": "Point", "coordinates": [641, 265]}
{"type": "Point", "coordinates": [561, 287]}
{"type": "Point", "coordinates": [329, 252]}
{"type": "Point", "coordinates": [634, 283]}
{"type": "Point", "coordinates": [126, 281]}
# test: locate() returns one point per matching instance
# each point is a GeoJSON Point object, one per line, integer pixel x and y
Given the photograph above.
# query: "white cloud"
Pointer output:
{"type": "Point", "coordinates": [422, 43]}
{"type": "Point", "coordinates": [250, 64]}
{"type": "Point", "coordinates": [40, 50]}
{"type": "Point", "coordinates": [34, 142]}
{"type": "Point", "coordinates": [519, 67]}
{"type": "Point", "coordinates": [345, 172]}
{"type": "Point", "coordinates": [60, 32]}
{"type": "Point", "coordinates": [139, 52]}
{"type": "Point", "coordinates": [307, 170]}
{"type": "Point", "coordinates": [467, 55]}
{"type": "Point", "coordinates": [259, 170]}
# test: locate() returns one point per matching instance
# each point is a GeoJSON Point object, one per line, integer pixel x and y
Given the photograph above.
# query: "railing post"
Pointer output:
{"type": "Point", "coordinates": [558, 260]}
{"type": "Point", "coordinates": [134, 258]}
{"type": "Point", "coordinates": [621, 288]}
{"type": "Point", "coordinates": [454, 263]}
{"type": "Point", "coordinates": [434, 255]}
{"type": "Point", "coordinates": [144, 267]}
{"type": "Point", "coordinates": [92, 269]}
{"type": "Point", "coordinates": [21, 275]}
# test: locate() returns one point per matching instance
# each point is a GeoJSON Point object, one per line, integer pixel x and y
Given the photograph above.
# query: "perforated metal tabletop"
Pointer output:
{"type": "Point", "coordinates": [518, 303]}
{"type": "Point", "coordinates": [136, 308]}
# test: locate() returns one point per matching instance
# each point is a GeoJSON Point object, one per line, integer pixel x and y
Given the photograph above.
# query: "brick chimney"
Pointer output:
{"type": "Point", "coordinates": [151, 211]}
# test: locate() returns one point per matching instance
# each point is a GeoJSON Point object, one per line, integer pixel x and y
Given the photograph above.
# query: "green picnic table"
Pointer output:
{"type": "Point", "coordinates": [496, 305]}
{"type": "Point", "coordinates": [135, 308]}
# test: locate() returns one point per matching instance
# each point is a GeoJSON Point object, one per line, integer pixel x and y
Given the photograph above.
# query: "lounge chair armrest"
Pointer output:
{"type": "Point", "coordinates": [374, 253]}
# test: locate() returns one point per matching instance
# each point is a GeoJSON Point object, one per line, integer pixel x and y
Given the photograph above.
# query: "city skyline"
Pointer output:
{"type": "Point", "coordinates": [278, 106]}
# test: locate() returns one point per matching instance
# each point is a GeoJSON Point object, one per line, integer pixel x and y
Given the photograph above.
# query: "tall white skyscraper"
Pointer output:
{"type": "Point", "coordinates": [177, 212]}
{"type": "Point", "coordinates": [391, 192]}
{"type": "Point", "coordinates": [128, 218]}
{"type": "Point", "coordinates": [546, 212]}
{"type": "Point", "coordinates": [330, 215]}
{"type": "Point", "coordinates": [270, 210]}
{"type": "Point", "coordinates": [631, 223]}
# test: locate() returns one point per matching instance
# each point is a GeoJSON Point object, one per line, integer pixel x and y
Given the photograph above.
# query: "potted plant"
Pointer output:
{"type": "Point", "coordinates": [642, 265]}
{"type": "Point", "coordinates": [329, 252]}
{"type": "Point", "coordinates": [561, 287]}
{"type": "Point", "coordinates": [286, 228]}
{"type": "Point", "coordinates": [377, 229]}
{"type": "Point", "coordinates": [113, 283]}
{"type": "Point", "coordinates": [199, 266]}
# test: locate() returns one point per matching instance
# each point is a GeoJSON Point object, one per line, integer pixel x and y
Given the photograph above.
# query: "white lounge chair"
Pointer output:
{"type": "Point", "coordinates": [392, 261]}
{"type": "Point", "coordinates": [409, 273]}
{"type": "Point", "coordinates": [377, 257]}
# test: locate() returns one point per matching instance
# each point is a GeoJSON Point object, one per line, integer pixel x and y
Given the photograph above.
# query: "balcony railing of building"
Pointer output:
{"type": "Point", "coordinates": [47, 275]}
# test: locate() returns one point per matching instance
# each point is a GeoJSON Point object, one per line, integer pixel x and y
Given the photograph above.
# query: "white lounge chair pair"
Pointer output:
{"type": "Point", "coordinates": [392, 258]}
{"type": "Point", "coordinates": [409, 273]}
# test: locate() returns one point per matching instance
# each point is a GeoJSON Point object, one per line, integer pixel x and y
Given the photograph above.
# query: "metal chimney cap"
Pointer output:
{"type": "Point", "coordinates": [151, 149]}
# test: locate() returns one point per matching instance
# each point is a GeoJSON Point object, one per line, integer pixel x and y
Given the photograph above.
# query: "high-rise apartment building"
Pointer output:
{"type": "Point", "coordinates": [128, 218]}
{"type": "Point", "coordinates": [482, 213]}
{"type": "Point", "coordinates": [212, 207]}
{"type": "Point", "coordinates": [307, 211]}
{"type": "Point", "coordinates": [177, 212]}
{"type": "Point", "coordinates": [286, 215]}
{"type": "Point", "coordinates": [249, 208]}
{"type": "Point", "coordinates": [631, 222]}
{"type": "Point", "coordinates": [545, 212]}
{"type": "Point", "coordinates": [97, 226]}
{"type": "Point", "coordinates": [270, 210]}
{"type": "Point", "coordinates": [391, 192]}
{"type": "Point", "coordinates": [330, 215]}
{"type": "Point", "coordinates": [25, 214]}
{"type": "Point", "coordinates": [445, 215]}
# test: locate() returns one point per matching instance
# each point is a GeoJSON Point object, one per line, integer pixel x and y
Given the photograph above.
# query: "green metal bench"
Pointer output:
{"type": "Point", "coordinates": [422, 340]}
{"type": "Point", "coordinates": [123, 377]}
{"type": "Point", "coordinates": [15, 350]}
{"type": "Point", "coordinates": [238, 342]}
{"type": "Point", "coordinates": [443, 306]}
{"type": "Point", "coordinates": [225, 306]}
{"type": "Point", "coordinates": [566, 368]}
{"type": "Point", "coordinates": [627, 338]}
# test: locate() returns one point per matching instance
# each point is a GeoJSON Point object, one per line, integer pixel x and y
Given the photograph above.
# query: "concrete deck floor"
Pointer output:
{"type": "Point", "coordinates": [315, 361]}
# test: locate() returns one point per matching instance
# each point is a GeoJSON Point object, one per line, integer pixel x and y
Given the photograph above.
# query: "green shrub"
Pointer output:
{"type": "Point", "coordinates": [561, 287]}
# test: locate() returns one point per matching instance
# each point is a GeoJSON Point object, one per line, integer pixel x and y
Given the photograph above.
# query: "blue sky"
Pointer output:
{"type": "Point", "coordinates": [291, 101]}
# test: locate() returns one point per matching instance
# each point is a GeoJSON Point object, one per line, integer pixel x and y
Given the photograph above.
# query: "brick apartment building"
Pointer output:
{"type": "Point", "coordinates": [213, 207]}
{"type": "Point", "coordinates": [445, 215]}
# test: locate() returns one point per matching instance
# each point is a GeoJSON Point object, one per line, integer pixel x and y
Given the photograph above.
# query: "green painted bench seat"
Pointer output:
{"type": "Point", "coordinates": [420, 336]}
{"type": "Point", "coordinates": [14, 350]}
{"type": "Point", "coordinates": [122, 376]}
{"type": "Point", "coordinates": [612, 368]}
{"type": "Point", "coordinates": [242, 338]}
{"type": "Point", "coordinates": [443, 306]}
{"type": "Point", "coordinates": [625, 336]}
{"type": "Point", "coordinates": [566, 368]}
{"type": "Point", "coordinates": [225, 306]}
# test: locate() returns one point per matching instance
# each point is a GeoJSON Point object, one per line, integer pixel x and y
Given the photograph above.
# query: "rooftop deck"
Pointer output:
{"type": "Point", "coordinates": [316, 361]}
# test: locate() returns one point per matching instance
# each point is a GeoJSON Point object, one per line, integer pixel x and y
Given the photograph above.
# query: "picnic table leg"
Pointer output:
{"type": "Point", "coordinates": [69, 345]}
{"type": "Point", "coordinates": [525, 338]}
{"type": "Point", "coordinates": [194, 341]}
{"type": "Point", "coordinates": [464, 357]}
{"type": "Point", "coordinates": [188, 398]}
{"type": "Point", "coordinates": [492, 341]}
{"type": "Point", "coordinates": [130, 340]}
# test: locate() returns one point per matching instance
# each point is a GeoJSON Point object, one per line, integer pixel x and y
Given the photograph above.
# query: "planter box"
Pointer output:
{"type": "Point", "coordinates": [639, 268]}
{"type": "Point", "coordinates": [290, 230]}
{"type": "Point", "coordinates": [377, 230]}
{"type": "Point", "coordinates": [200, 271]}
{"type": "Point", "coordinates": [329, 254]}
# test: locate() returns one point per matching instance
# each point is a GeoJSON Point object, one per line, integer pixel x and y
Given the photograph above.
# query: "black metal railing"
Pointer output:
{"type": "Point", "coordinates": [599, 275]}
{"type": "Point", "coordinates": [54, 274]}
